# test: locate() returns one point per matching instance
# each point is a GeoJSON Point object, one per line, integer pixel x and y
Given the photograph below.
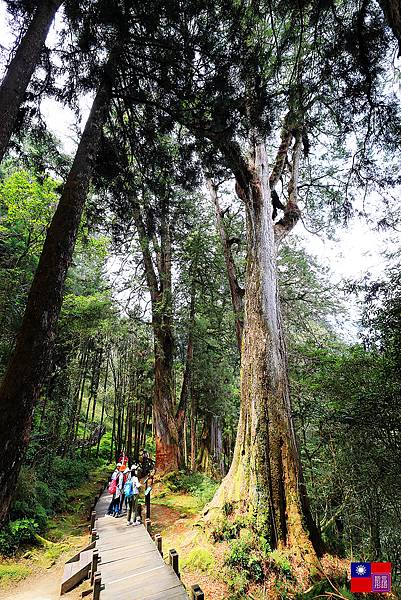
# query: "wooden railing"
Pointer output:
{"type": "Point", "coordinates": [96, 579]}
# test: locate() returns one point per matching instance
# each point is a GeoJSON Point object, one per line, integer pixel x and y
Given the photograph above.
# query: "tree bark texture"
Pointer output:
{"type": "Point", "coordinates": [392, 12]}
{"type": "Point", "coordinates": [237, 293]}
{"type": "Point", "coordinates": [29, 363]}
{"type": "Point", "coordinates": [22, 66]}
{"type": "Point", "coordinates": [166, 434]}
{"type": "Point", "coordinates": [187, 379]}
{"type": "Point", "coordinates": [160, 288]}
{"type": "Point", "coordinates": [265, 477]}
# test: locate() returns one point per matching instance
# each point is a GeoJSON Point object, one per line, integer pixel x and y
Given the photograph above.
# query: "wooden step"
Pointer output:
{"type": "Point", "coordinates": [75, 572]}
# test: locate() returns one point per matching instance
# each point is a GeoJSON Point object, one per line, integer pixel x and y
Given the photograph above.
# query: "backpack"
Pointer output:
{"type": "Point", "coordinates": [128, 489]}
{"type": "Point", "coordinates": [113, 486]}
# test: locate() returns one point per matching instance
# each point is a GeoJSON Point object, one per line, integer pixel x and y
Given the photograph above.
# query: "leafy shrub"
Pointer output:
{"type": "Point", "coordinates": [255, 568]}
{"type": "Point", "coordinates": [237, 582]}
{"type": "Point", "coordinates": [70, 471]}
{"type": "Point", "coordinates": [281, 562]}
{"type": "Point", "coordinates": [16, 533]}
{"type": "Point", "coordinates": [238, 555]}
{"type": "Point", "coordinates": [228, 530]}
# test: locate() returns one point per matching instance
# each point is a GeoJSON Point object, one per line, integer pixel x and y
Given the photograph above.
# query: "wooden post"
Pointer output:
{"type": "Point", "coordinates": [173, 560]}
{"type": "Point", "coordinates": [148, 525]}
{"type": "Point", "coordinates": [93, 535]}
{"type": "Point", "coordinates": [93, 518]}
{"type": "Point", "coordinates": [95, 562]}
{"type": "Point", "coordinates": [147, 504]}
{"type": "Point", "coordinates": [196, 593]}
{"type": "Point", "coordinates": [92, 508]}
{"type": "Point", "coordinates": [159, 543]}
{"type": "Point", "coordinates": [97, 585]}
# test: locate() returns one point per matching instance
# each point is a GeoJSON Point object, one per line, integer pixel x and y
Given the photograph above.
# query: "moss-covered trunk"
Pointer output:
{"type": "Point", "coordinates": [265, 478]}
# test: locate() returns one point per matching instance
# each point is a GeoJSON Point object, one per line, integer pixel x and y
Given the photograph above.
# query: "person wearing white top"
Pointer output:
{"type": "Point", "coordinates": [133, 499]}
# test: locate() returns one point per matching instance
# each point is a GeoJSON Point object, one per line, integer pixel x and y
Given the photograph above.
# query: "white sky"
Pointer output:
{"type": "Point", "coordinates": [356, 251]}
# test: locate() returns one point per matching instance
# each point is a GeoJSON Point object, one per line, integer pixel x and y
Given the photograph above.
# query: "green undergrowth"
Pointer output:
{"type": "Point", "coordinates": [199, 559]}
{"type": "Point", "coordinates": [13, 572]}
{"type": "Point", "coordinates": [250, 565]}
{"type": "Point", "coordinates": [186, 492]}
{"type": "Point", "coordinates": [51, 504]}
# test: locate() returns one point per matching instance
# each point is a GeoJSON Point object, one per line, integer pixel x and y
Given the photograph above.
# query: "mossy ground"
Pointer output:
{"type": "Point", "coordinates": [66, 534]}
{"type": "Point", "coordinates": [232, 562]}
{"type": "Point", "coordinates": [229, 562]}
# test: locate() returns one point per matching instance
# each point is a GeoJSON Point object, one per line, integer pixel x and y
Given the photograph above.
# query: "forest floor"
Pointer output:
{"type": "Point", "coordinates": [36, 574]}
{"type": "Point", "coordinates": [177, 516]}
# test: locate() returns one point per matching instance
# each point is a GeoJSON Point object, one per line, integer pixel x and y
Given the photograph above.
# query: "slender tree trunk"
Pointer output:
{"type": "Point", "coordinates": [22, 66]}
{"type": "Point", "coordinates": [144, 427]}
{"type": "Point", "coordinates": [186, 382]}
{"type": "Point", "coordinates": [103, 402]}
{"type": "Point", "coordinates": [160, 287]}
{"type": "Point", "coordinates": [77, 416]}
{"type": "Point", "coordinates": [29, 363]}
{"type": "Point", "coordinates": [265, 476]}
{"type": "Point", "coordinates": [193, 432]}
{"type": "Point", "coordinates": [237, 293]}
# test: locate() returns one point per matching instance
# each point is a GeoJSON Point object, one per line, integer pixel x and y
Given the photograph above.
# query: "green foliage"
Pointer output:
{"type": "Point", "coordinates": [281, 562]}
{"type": "Point", "coordinates": [199, 559]}
{"type": "Point", "coordinates": [17, 533]}
{"type": "Point", "coordinates": [238, 583]}
{"type": "Point", "coordinates": [13, 572]}
{"type": "Point", "coordinates": [242, 556]}
{"type": "Point", "coordinates": [238, 554]}
{"type": "Point", "coordinates": [197, 484]}
{"type": "Point", "coordinates": [229, 529]}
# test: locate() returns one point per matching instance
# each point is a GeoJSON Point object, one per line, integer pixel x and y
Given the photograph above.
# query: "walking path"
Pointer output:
{"type": "Point", "coordinates": [131, 566]}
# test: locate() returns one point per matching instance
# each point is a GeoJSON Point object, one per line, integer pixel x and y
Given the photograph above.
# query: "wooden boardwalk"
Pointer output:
{"type": "Point", "coordinates": [130, 565]}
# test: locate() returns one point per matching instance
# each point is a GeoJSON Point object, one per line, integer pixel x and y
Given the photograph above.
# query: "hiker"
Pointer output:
{"type": "Point", "coordinates": [113, 477]}
{"type": "Point", "coordinates": [147, 463]}
{"type": "Point", "coordinates": [132, 493]}
{"type": "Point", "coordinates": [118, 493]}
{"type": "Point", "coordinates": [126, 475]}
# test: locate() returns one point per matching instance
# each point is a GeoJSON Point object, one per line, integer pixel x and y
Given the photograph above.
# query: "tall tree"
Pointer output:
{"type": "Point", "coordinates": [29, 363]}
{"type": "Point", "coordinates": [21, 68]}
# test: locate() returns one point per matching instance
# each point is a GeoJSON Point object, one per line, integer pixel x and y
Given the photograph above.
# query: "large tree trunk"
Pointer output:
{"type": "Point", "coordinates": [29, 363]}
{"type": "Point", "coordinates": [265, 476]}
{"type": "Point", "coordinates": [160, 288]}
{"type": "Point", "coordinates": [22, 66]}
{"type": "Point", "coordinates": [167, 450]}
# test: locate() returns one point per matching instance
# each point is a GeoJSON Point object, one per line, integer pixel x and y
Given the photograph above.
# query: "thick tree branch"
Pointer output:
{"type": "Point", "coordinates": [292, 212]}
{"type": "Point", "coordinates": [236, 291]}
